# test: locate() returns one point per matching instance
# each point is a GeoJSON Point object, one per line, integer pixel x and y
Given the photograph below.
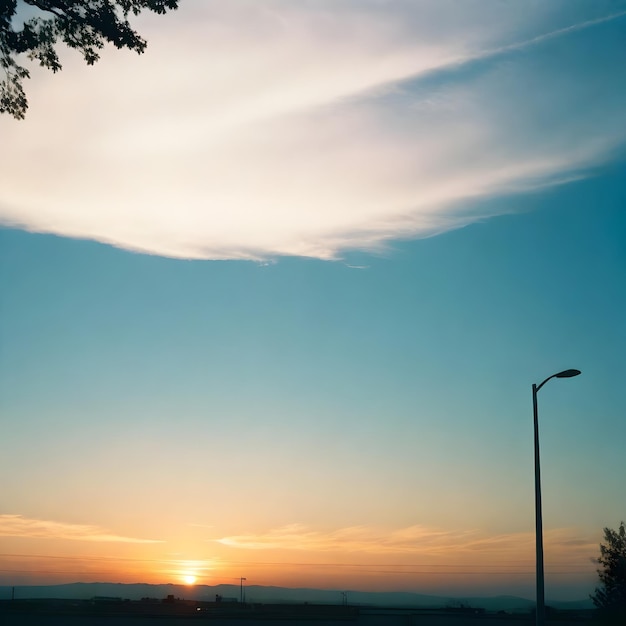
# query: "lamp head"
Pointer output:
{"type": "Point", "coordinates": [567, 374]}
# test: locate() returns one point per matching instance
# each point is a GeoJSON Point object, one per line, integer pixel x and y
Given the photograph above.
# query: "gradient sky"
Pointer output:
{"type": "Point", "coordinates": [274, 294]}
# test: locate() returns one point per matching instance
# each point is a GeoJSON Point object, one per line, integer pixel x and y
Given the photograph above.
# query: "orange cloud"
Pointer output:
{"type": "Point", "coordinates": [20, 526]}
{"type": "Point", "coordinates": [563, 545]}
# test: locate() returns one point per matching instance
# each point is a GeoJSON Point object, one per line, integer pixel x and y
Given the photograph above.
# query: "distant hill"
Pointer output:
{"type": "Point", "coordinates": [269, 595]}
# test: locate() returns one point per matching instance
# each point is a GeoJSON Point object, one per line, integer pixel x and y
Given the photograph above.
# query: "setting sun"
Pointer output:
{"type": "Point", "coordinates": [190, 579]}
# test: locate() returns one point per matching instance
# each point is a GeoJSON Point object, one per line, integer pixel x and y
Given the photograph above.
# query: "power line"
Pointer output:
{"type": "Point", "coordinates": [502, 567]}
{"type": "Point", "coordinates": [501, 564]}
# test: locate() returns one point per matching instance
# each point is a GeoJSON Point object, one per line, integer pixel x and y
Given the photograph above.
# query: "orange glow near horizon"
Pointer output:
{"type": "Point", "coordinates": [416, 559]}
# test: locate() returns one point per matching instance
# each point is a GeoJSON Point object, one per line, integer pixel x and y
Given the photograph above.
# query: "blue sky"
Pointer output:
{"type": "Point", "coordinates": [328, 295]}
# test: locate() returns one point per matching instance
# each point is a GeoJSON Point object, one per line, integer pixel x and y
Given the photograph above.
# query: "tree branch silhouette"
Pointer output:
{"type": "Point", "coordinates": [84, 25]}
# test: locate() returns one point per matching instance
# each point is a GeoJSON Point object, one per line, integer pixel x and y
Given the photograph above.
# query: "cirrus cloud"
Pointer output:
{"type": "Point", "coordinates": [563, 545]}
{"type": "Point", "coordinates": [20, 526]}
{"type": "Point", "coordinates": [251, 130]}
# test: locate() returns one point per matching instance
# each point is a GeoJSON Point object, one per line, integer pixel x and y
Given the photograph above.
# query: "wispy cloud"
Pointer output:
{"type": "Point", "coordinates": [20, 526]}
{"type": "Point", "coordinates": [267, 128]}
{"type": "Point", "coordinates": [418, 541]}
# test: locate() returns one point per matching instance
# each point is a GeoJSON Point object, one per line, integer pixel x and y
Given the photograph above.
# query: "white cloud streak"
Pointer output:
{"type": "Point", "coordinates": [20, 526]}
{"type": "Point", "coordinates": [258, 129]}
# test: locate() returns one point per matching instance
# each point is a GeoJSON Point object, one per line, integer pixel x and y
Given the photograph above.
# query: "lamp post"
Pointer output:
{"type": "Point", "coordinates": [540, 597]}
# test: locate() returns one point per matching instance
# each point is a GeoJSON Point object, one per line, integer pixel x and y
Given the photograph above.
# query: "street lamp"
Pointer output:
{"type": "Point", "coordinates": [541, 603]}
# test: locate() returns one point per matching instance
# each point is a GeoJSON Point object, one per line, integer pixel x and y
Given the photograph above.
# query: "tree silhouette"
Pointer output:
{"type": "Point", "coordinates": [611, 596]}
{"type": "Point", "coordinates": [85, 25]}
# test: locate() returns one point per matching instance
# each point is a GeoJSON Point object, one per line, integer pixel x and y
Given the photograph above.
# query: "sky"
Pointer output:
{"type": "Point", "coordinates": [273, 296]}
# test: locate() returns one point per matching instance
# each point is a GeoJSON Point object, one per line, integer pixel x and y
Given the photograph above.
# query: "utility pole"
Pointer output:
{"type": "Point", "coordinates": [241, 589]}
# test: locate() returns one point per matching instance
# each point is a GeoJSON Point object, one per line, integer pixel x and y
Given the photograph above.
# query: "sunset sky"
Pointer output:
{"type": "Point", "coordinates": [274, 293]}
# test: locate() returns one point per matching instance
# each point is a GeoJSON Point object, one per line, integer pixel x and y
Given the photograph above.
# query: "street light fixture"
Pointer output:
{"type": "Point", "coordinates": [541, 603]}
